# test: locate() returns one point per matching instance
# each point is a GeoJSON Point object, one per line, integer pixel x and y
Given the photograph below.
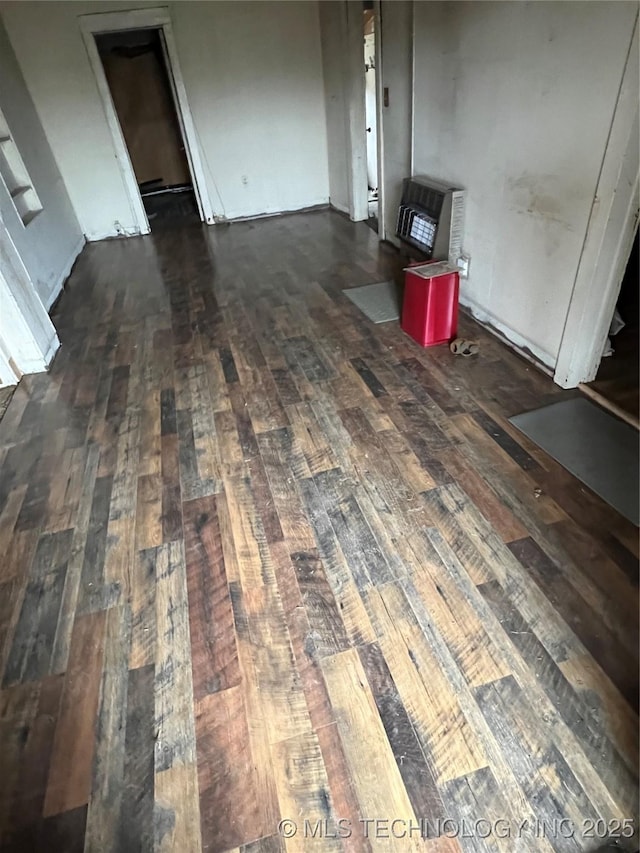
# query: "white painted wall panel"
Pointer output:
{"type": "Point", "coordinates": [253, 75]}
{"type": "Point", "coordinates": [333, 26]}
{"type": "Point", "coordinates": [50, 243]}
{"type": "Point", "coordinates": [514, 102]}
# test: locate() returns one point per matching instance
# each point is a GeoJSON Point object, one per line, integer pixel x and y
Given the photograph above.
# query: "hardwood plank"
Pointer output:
{"type": "Point", "coordinates": [24, 826]}
{"type": "Point", "coordinates": [438, 713]}
{"type": "Point", "coordinates": [171, 495]}
{"type": "Point", "coordinates": [18, 708]}
{"type": "Point", "coordinates": [579, 715]}
{"type": "Point", "coordinates": [620, 665]}
{"type": "Point", "coordinates": [213, 647]}
{"type": "Point", "coordinates": [367, 750]}
{"type": "Point", "coordinates": [281, 468]}
{"type": "Point", "coordinates": [416, 774]}
{"type": "Point", "coordinates": [92, 587]}
{"type": "Point", "coordinates": [227, 773]}
{"type": "Point", "coordinates": [327, 632]}
{"type": "Point", "coordinates": [70, 775]}
{"type": "Point", "coordinates": [310, 438]}
{"type": "Point", "coordinates": [177, 813]}
{"type": "Point", "coordinates": [362, 550]}
{"type": "Point", "coordinates": [8, 517]}
{"type": "Point", "coordinates": [103, 814]}
{"type": "Point", "coordinates": [149, 462]}
{"type": "Point", "coordinates": [541, 771]}
{"type": "Point", "coordinates": [265, 650]}
{"type": "Point", "coordinates": [148, 528]}
{"type": "Point", "coordinates": [303, 790]}
{"type": "Point", "coordinates": [143, 609]}
{"type": "Point", "coordinates": [30, 655]}
{"type": "Point", "coordinates": [484, 817]}
{"type": "Point", "coordinates": [136, 820]}
{"type": "Point", "coordinates": [339, 577]}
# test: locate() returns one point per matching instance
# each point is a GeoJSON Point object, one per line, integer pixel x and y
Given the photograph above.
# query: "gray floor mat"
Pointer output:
{"type": "Point", "coordinates": [380, 302]}
{"type": "Point", "coordinates": [597, 448]}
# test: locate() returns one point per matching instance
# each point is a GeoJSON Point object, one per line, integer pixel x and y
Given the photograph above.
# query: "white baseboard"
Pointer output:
{"type": "Point", "coordinates": [52, 349]}
{"type": "Point", "coordinates": [341, 208]}
{"type": "Point", "coordinates": [64, 273]}
{"type": "Point", "coordinates": [524, 347]}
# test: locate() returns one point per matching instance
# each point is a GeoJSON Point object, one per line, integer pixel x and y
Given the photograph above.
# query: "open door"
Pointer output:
{"type": "Point", "coordinates": [138, 79]}
{"type": "Point", "coordinates": [106, 32]}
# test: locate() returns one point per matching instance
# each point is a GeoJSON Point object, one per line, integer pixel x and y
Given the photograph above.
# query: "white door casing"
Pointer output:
{"type": "Point", "coordinates": [152, 18]}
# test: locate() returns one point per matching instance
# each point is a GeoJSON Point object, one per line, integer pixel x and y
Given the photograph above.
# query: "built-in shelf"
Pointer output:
{"type": "Point", "coordinates": [16, 178]}
{"type": "Point", "coordinates": [30, 216]}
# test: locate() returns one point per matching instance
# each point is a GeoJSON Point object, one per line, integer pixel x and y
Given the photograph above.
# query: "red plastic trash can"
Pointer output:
{"type": "Point", "coordinates": [430, 304]}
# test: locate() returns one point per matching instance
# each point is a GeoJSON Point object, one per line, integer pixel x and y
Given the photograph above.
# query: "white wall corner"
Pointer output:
{"type": "Point", "coordinates": [523, 345]}
{"type": "Point", "coordinates": [609, 236]}
{"type": "Point", "coordinates": [52, 349]}
{"type": "Point", "coordinates": [64, 273]}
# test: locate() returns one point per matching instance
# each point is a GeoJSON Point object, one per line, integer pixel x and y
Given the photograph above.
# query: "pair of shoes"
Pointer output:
{"type": "Point", "coordinates": [465, 348]}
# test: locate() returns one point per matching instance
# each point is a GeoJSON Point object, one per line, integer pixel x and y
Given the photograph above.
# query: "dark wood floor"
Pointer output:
{"type": "Point", "coordinates": [619, 374]}
{"type": "Point", "coordinates": [263, 560]}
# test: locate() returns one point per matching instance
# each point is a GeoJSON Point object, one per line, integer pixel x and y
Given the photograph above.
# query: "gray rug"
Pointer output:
{"type": "Point", "coordinates": [597, 448]}
{"type": "Point", "coordinates": [380, 302]}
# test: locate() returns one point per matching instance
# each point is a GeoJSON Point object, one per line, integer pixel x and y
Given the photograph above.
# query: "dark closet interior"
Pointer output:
{"type": "Point", "coordinates": [618, 374]}
{"type": "Point", "coordinates": [136, 71]}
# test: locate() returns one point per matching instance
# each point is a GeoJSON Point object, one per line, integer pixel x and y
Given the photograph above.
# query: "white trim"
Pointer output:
{"type": "Point", "coordinates": [356, 116]}
{"type": "Point", "coordinates": [29, 338]}
{"type": "Point", "coordinates": [152, 18]}
{"type": "Point", "coordinates": [89, 26]}
{"type": "Point", "coordinates": [607, 245]}
{"type": "Point", "coordinates": [187, 126]}
{"type": "Point", "coordinates": [377, 18]}
{"type": "Point", "coordinates": [52, 349]}
{"type": "Point", "coordinates": [65, 272]}
{"type": "Point", "coordinates": [8, 374]}
{"type": "Point", "coordinates": [413, 91]}
{"type": "Point", "coordinates": [339, 207]}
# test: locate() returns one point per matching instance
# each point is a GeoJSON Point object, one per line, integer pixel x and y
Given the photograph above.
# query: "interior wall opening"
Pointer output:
{"type": "Point", "coordinates": [618, 375]}
{"type": "Point", "coordinates": [371, 112]}
{"type": "Point", "coordinates": [136, 71]}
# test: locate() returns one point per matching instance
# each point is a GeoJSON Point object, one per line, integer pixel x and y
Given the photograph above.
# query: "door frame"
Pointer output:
{"type": "Point", "coordinates": [377, 17]}
{"type": "Point", "coordinates": [141, 19]}
{"type": "Point", "coordinates": [28, 338]}
{"type": "Point", "coordinates": [356, 116]}
{"type": "Point", "coordinates": [609, 237]}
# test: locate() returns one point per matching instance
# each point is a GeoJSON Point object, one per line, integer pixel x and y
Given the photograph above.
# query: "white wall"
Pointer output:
{"type": "Point", "coordinates": [333, 28]}
{"type": "Point", "coordinates": [514, 102]}
{"type": "Point", "coordinates": [253, 75]}
{"type": "Point", "coordinates": [50, 243]}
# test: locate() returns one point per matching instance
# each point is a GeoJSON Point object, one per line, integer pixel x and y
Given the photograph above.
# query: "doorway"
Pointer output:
{"type": "Point", "coordinates": [618, 374]}
{"type": "Point", "coordinates": [371, 112]}
{"type": "Point", "coordinates": [135, 68]}
{"type": "Point", "coordinates": [158, 20]}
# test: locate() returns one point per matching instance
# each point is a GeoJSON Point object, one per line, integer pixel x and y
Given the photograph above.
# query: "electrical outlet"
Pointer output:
{"type": "Point", "coordinates": [245, 180]}
{"type": "Point", "coordinates": [463, 263]}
